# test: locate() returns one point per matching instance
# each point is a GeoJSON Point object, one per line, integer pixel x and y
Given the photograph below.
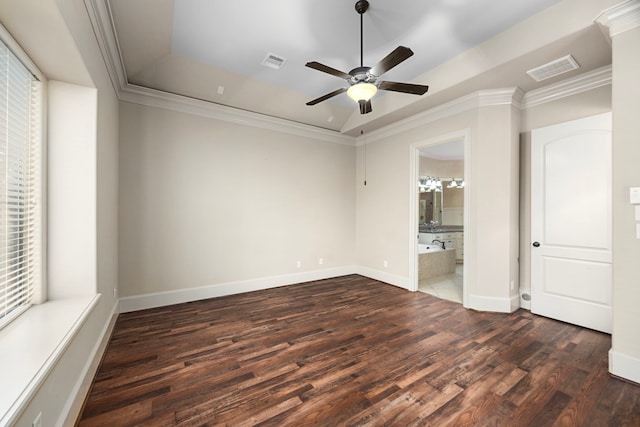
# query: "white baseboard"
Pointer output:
{"type": "Point", "coordinates": [79, 393]}
{"type": "Point", "coordinates": [624, 366]}
{"type": "Point", "coordinates": [515, 303]}
{"type": "Point", "coordinates": [523, 302]}
{"type": "Point", "coordinates": [161, 299]}
{"type": "Point", "coordinates": [493, 304]}
{"type": "Point", "coordinates": [383, 276]}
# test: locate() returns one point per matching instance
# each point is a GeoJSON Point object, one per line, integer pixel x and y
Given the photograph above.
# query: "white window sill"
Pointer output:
{"type": "Point", "coordinates": [31, 345]}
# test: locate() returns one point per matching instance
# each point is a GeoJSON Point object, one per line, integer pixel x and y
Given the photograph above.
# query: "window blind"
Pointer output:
{"type": "Point", "coordinates": [20, 170]}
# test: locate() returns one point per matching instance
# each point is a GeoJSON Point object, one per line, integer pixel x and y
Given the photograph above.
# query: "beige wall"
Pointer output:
{"type": "Point", "coordinates": [382, 206]}
{"type": "Point", "coordinates": [205, 202]}
{"type": "Point", "coordinates": [383, 217]}
{"type": "Point", "coordinates": [625, 355]}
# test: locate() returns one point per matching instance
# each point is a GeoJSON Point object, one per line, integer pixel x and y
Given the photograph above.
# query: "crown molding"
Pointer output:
{"type": "Point", "coordinates": [102, 22]}
{"type": "Point", "coordinates": [621, 17]}
{"type": "Point", "coordinates": [625, 15]}
{"type": "Point", "coordinates": [573, 86]}
{"type": "Point", "coordinates": [507, 96]}
{"type": "Point", "coordinates": [182, 104]}
{"type": "Point", "coordinates": [484, 98]}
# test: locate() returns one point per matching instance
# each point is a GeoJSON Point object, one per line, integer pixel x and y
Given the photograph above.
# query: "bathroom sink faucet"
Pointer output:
{"type": "Point", "coordinates": [442, 243]}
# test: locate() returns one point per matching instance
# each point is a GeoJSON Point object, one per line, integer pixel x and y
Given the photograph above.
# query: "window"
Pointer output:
{"type": "Point", "coordinates": [20, 176]}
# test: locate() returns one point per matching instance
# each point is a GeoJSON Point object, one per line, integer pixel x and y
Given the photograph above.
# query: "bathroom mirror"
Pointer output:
{"type": "Point", "coordinates": [430, 207]}
{"type": "Point", "coordinates": [444, 164]}
{"type": "Point", "coordinates": [444, 205]}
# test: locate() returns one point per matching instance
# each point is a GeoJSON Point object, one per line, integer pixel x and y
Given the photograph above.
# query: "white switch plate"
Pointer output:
{"type": "Point", "coordinates": [637, 231]}
{"type": "Point", "coordinates": [637, 213]}
{"type": "Point", "coordinates": [634, 195]}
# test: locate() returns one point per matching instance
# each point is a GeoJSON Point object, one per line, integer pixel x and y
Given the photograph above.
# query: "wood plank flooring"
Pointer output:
{"type": "Point", "coordinates": [353, 351]}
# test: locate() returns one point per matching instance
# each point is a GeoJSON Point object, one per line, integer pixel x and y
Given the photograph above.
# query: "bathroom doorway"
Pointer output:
{"type": "Point", "coordinates": [439, 202]}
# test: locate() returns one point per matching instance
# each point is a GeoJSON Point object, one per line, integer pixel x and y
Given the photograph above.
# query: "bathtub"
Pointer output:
{"type": "Point", "coordinates": [433, 261]}
{"type": "Point", "coordinates": [424, 248]}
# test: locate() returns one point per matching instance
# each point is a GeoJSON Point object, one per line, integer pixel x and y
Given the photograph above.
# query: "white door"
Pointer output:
{"type": "Point", "coordinates": [571, 222]}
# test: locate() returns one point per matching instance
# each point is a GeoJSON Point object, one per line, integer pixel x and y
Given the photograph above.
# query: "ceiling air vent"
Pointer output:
{"type": "Point", "coordinates": [273, 61]}
{"type": "Point", "coordinates": [553, 68]}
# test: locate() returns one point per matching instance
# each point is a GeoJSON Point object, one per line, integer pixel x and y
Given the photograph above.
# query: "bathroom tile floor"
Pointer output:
{"type": "Point", "coordinates": [447, 287]}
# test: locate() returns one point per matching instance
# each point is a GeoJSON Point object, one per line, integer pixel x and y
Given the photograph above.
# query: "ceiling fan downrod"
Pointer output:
{"type": "Point", "coordinates": [361, 7]}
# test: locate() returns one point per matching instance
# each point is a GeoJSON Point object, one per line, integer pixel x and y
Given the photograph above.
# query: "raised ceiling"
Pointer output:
{"type": "Point", "coordinates": [212, 50]}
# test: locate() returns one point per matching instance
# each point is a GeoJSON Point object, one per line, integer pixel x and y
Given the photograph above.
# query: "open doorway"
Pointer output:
{"type": "Point", "coordinates": [439, 205]}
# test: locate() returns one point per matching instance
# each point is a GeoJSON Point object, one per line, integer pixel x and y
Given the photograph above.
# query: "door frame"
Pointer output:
{"type": "Point", "coordinates": [597, 318]}
{"type": "Point", "coordinates": [414, 175]}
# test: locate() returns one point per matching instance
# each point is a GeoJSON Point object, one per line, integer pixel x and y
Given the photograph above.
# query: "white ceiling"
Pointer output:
{"type": "Point", "coordinates": [194, 47]}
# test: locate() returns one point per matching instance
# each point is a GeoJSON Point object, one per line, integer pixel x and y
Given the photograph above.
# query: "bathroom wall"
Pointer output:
{"type": "Point", "coordinates": [441, 168]}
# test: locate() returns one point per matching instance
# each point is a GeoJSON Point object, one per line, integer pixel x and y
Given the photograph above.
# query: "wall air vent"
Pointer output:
{"type": "Point", "coordinates": [553, 68]}
{"type": "Point", "coordinates": [273, 61]}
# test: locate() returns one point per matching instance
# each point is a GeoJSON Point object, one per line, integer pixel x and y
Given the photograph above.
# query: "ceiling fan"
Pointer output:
{"type": "Point", "coordinates": [363, 81]}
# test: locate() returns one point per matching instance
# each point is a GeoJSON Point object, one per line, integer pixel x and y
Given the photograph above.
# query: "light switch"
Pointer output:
{"type": "Point", "coordinates": [637, 213]}
{"type": "Point", "coordinates": [634, 195]}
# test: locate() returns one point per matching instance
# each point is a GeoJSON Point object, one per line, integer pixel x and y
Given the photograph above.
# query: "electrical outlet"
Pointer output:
{"type": "Point", "coordinates": [513, 285]}
{"type": "Point", "coordinates": [38, 421]}
{"type": "Point", "coordinates": [320, 261]}
{"type": "Point", "coordinates": [298, 264]}
{"type": "Point", "coordinates": [385, 263]}
{"type": "Point", "coordinates": [115, 292]}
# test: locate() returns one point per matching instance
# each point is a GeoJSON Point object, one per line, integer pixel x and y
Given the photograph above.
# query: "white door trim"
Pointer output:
{"type": "Point", "coordinates": [414, 174]}
{"type": "Point", "coordinates": [571, 222]}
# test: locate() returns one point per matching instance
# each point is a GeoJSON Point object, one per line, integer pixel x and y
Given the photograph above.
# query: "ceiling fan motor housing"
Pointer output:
{"type": "Point", "coordinates": [362, 6]}
{"type": "Point", "coordinates": [361, 75]}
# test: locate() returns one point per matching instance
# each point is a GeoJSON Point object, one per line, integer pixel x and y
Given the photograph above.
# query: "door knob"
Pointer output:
{"type": "Point", "coordinates": [536, 244]}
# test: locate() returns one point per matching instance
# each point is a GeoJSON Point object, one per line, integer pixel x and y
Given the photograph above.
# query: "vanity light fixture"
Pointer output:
{"type": "Point", "coordinates": [427, 184]}
{"type": "Point", "coordinates": [456, 183]}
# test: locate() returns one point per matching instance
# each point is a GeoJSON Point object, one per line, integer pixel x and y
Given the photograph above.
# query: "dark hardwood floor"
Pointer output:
{"type": "Point", "coordinates": [353, 351]}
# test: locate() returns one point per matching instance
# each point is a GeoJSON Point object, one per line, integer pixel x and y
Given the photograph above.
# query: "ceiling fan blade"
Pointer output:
{"type": "Point", "coordinates": [400, 54]}
{"type": "Point", "coordinates": [404, 87]}
{"type": "Point", "coordinates": [365, 106]}
{"type": "Point", "coordinates": [326, 69]}
{"type": "Point", "coordinates": [327, 96]}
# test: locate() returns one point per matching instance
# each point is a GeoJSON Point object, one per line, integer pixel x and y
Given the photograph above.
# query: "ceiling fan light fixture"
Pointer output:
{"type": "Point", "coordinates": [362, 91]}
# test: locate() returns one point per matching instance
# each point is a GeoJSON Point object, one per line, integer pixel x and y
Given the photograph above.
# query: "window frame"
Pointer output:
{"type": "Point", "coordinates": [37, 166]}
